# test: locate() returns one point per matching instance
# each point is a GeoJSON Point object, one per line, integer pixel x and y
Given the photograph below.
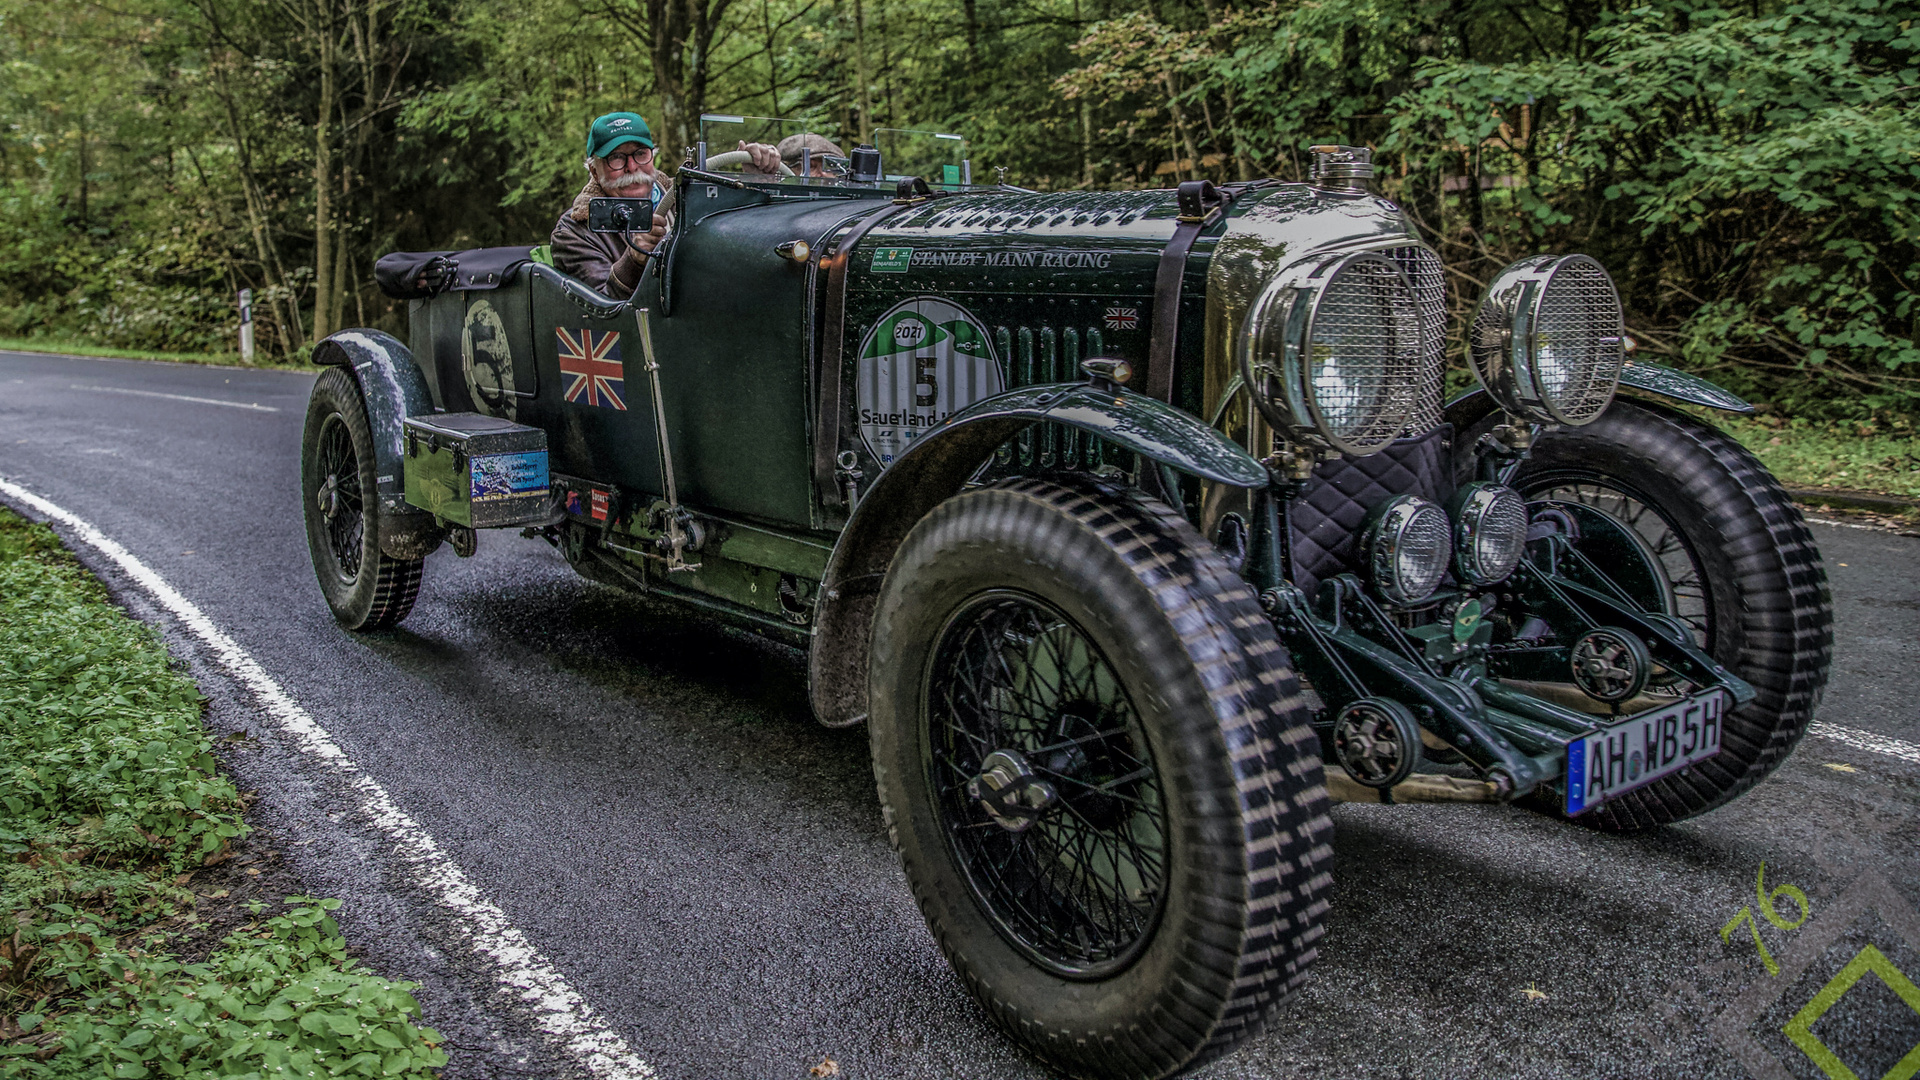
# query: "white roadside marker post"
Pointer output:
{"type": "Point", "coordinates": [246, 326]}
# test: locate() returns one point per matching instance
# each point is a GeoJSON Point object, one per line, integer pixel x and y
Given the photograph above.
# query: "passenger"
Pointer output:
{"type": "Point", "coordinates": [806, 151]}
{"type": "Point", "coordinates": [619, 164]}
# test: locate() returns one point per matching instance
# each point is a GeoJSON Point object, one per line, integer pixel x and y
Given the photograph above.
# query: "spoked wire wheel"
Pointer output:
{"type": "Point", "coordinates": [1046, 786]}
{"type": "Point", "coordinates": [1099, 771]}
{"type": "Point", "coordinates": [364, 586]}
{"type": "Point", "coordinates": [1687, 597]}
{"type": "Point", "coordinates": [1741, 569]}
{"type": "Point", "coordinates": [339, 501]}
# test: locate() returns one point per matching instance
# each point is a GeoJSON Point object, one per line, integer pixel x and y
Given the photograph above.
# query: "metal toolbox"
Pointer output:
{"type": "Point", "coordinates": [479, 471]}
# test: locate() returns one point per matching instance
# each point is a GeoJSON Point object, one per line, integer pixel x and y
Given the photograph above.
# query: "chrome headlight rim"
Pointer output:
{"type": "Point", "coordinates": [1279, 335]}
{"type": "Point", "coordinates": [1505, 341]}
{"type": "Point", "coordinates": [1475, 509]}
{"type": "Point", "coordinates": [1393, 530]}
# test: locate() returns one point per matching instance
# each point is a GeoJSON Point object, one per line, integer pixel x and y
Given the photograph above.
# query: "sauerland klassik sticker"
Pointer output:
{"type": "Point", "coordinates": [923, 361]}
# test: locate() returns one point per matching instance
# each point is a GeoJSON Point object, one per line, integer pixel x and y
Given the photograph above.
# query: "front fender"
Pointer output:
{"type": "Point", "coordinates": [1680, 386]}
{"type": "Point", "coordinates": [1469, 408]}
{"type": "Point", "coordinates": [937, 465]}
{"type": "Point", "coordinates": [393, 389]}
{"type": "Point", "coordinates": [1144, 425]}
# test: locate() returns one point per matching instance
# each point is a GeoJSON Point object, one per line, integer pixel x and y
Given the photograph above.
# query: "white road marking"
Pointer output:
{"type": "Point", "coordinates": [1867, 740]}
{"type": "Point", "coordinates": [564, 1017]}
{"type": "Point", "coordinates": [178, 397]}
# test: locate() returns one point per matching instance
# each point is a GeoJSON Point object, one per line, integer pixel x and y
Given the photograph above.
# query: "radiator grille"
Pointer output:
{"type": "Point", "coordinates": [1423, 269]}
{"type": "Point", "coordinates": [1046, 354]}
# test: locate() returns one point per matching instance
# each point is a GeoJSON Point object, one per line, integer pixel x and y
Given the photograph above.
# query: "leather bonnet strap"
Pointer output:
{"type": "Point", "coordinates": [1201, 204]}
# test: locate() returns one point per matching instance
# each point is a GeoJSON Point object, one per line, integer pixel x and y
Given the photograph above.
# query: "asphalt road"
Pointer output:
{"type": "Point", "coordinates": [648, 799]}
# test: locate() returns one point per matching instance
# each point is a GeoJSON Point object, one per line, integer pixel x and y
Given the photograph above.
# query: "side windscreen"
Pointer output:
{"type": "Point", "coordinates": [938, 157]}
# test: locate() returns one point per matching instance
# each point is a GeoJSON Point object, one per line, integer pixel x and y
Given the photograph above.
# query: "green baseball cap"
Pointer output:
{"type": "Point", "coordinates": [615, 128]}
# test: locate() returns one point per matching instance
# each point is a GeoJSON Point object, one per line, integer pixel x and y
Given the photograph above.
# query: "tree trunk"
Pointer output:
{"type": "Point", "coordinates": [1086, 141]}
{"type": "Point", "coordinates": [1180, 129]}
{"type": "Point", "coordinates": [287, 319]}
{"type": "Point", "coordinates": [337, 316]}
{"type": "Point", "coordinates": [1242, 167]}
{"type": "Point", "coordinates": [83, 169]}
{"type": "Point", "coordinates": [773, 58]}
{"type": "Point", "coordinates": [323, 242]}
{"type": "Point", "coordinates": [1471, 161]}
{"type": "Point", "coordinates": [669, 70]}
{"type": "Point", "coordinates": [860, 71]}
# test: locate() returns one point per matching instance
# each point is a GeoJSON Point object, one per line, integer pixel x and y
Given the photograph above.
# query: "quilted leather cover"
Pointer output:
{"type": "Point", "coordinates": [1323, 521]}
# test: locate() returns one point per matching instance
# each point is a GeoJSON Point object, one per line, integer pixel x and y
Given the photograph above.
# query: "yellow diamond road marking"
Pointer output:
{"type": "Point", "coordinates": [1800, 1028]}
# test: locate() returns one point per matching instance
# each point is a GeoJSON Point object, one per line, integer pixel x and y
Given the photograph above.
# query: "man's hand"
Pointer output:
{"type": "Point", "coordinates": [644, 242]}
{"type": "Point", "coordinates": [765, 158]}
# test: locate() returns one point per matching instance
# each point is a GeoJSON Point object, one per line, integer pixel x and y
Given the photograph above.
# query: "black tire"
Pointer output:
{"type": "Point", "coordinates": [366, 589]}
{"type": "Point", "coordinates": [1196, 686]}
{"type": "Point", "coordinates": [1763, 609]}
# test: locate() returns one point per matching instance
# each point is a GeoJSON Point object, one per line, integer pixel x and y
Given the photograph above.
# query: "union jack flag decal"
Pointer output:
{"type": "Point", "coordinates": [1123, 318]}
{"type": "Point", "coordinates": [593, 361]}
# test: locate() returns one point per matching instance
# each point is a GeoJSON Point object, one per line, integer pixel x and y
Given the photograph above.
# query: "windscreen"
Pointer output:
{"type": "Point", "coordinates": [938, 157]}
{"type": "Point", "coordinates": [811, 151]}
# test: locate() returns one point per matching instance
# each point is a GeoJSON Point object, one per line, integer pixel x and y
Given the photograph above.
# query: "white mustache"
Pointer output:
{"type": "Point", "coordinates": [624, 182]}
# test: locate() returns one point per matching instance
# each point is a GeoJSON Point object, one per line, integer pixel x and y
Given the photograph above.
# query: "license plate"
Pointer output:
{"type": "Point", "coordinates": [1635, 752]}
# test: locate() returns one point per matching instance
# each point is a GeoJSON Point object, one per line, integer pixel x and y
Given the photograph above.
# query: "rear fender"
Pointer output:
{"type": "Point", "coordinates": [393, 389]}
{"type": "Point", "coordinates": [939, 464]}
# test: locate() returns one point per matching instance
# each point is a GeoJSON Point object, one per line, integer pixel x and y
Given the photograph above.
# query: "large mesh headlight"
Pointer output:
{"type": "Point", "coordinates": [1489, 532]}
{"type": "Point", "coordinates": [1405, 548]}
{"type": "Point", "coordinates": [1547, 339]}
{"type": "Point", "coordinates": [1332, 352]}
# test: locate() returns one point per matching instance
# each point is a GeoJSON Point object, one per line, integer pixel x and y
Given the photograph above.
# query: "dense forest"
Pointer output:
{"type": "Point", "coordinates": [1751, 174]}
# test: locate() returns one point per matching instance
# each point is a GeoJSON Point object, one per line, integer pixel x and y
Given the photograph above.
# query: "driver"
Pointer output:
{"type": "Point", "coordinates": [619, 164]}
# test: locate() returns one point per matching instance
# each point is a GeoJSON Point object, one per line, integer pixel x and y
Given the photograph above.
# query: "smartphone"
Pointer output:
{"type": "Point", "coordinates": [619, 215]}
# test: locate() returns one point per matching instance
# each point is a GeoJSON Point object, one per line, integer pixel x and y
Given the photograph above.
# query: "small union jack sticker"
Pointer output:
{"type": "Point", "coordinates": [1123, 318]}
{"type": "Point", "coordinates": [593, 362]}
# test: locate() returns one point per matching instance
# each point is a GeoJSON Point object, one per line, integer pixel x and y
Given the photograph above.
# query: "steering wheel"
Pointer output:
{"type": "Point", "coordinates": [739, 157]}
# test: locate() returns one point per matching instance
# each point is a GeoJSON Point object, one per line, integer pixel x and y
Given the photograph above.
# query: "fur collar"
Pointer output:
{"type": "Point", "coordinates": [593, 190]}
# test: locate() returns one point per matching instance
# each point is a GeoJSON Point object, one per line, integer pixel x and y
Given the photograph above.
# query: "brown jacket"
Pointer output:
{"type": "Point", "coordinates": [604, 261]}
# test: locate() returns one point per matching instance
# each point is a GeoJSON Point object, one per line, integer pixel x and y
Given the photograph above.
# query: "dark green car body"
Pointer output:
{"type": "Point", "coordinates": [837, 362]}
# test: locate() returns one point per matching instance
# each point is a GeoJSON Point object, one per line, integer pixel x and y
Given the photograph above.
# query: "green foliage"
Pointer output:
{"type": "Point", "coordinates": [102, 740]}
{"type": "Point", "coordinates": [1748, 172]}
{"type": "Point", "coordinates": [1878, 456]}
{"type": "Point", "coordinates": [280, 998]}
{"type": "Point", "coordinates": [107, 793]}
{"type": "Point", "coordinates": [1763, 172]}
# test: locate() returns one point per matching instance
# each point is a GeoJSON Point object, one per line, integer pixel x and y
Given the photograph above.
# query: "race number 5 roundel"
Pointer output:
{"type": "Point", "coordinates": [925, 360]}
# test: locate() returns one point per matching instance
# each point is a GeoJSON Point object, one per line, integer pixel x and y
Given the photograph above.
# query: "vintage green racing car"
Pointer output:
{"type": "Point", "coordinates": [1133, 525]}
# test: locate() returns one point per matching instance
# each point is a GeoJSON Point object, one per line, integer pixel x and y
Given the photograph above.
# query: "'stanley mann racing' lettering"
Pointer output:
{"type": "Point", "coordinates": [1055, 260]}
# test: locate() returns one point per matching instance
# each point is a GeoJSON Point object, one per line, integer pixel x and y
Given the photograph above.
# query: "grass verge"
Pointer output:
{"type": "Point", "coordinates": [1879, 457]}
{"type": "Point", "coordinates": [110, 804]}
{"type": "Point", "coordinates": [67, 347]}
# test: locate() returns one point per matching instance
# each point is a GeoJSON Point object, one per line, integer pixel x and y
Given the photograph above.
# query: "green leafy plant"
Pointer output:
{"type": "Point", "coordinates": [109, 800]}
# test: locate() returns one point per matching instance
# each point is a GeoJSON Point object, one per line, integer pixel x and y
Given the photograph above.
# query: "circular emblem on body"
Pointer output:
{"type": "Point", "coordinates": [923, 361]}
{"type": "Point", "coordinates": [487, 361]}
